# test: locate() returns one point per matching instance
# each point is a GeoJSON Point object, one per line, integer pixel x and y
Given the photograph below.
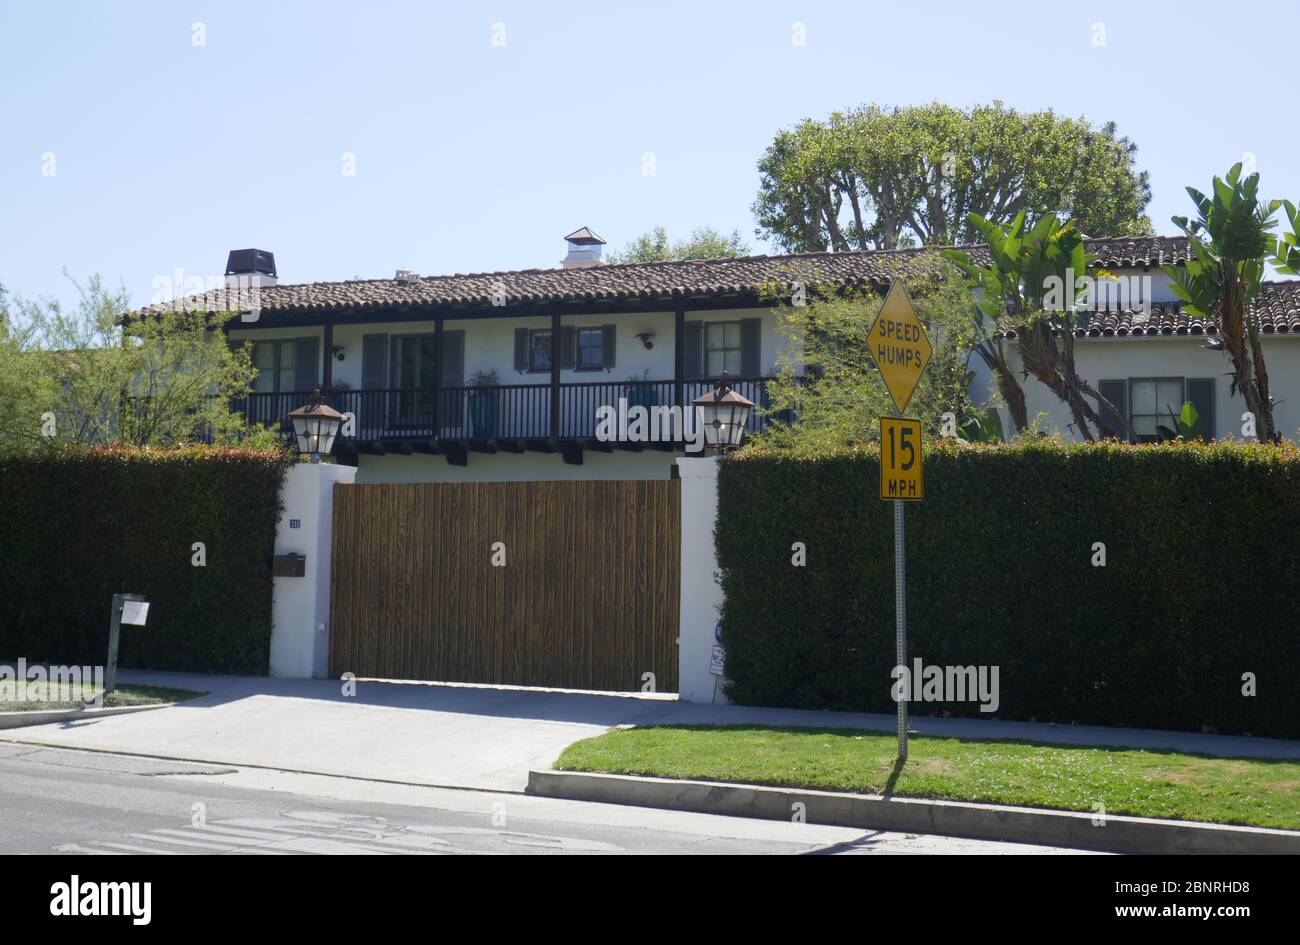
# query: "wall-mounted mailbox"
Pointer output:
{"type": "Point", "coordinates": [290, 565]}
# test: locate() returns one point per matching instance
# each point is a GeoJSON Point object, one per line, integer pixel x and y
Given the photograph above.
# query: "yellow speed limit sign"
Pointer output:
{"type": "Point", "coordinates": [900, 460]}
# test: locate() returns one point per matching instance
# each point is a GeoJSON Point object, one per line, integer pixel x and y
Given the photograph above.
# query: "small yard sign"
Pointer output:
{"type": "Point", "coordinates": [135, 612]}
{"type": "Point", "coordinates": [900, 460]}
{"type": "Point", "coordinates": [130, 609]}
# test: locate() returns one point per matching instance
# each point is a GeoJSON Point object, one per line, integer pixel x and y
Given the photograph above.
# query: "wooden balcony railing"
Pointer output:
{"type": "Point", "coordinates": [508, 411]}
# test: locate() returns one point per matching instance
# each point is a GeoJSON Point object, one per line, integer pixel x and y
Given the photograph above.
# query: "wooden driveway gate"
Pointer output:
{"type": "Point", "coordinates": [587, 597]}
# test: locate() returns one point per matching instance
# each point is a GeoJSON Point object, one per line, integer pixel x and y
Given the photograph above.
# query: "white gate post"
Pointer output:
{"type": "Point", "coordinates": [701, 599]}
{"type": "Point", "coordinates": [300, 606]}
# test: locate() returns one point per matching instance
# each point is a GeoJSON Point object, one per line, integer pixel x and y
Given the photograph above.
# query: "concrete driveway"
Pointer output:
{"type": "Point", "coordinates": [477, 736]}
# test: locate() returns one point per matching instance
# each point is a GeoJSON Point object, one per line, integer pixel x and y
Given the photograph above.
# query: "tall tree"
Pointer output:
{"type": "Point", "coordinates": [873, 178]}
{"type": "Point", "coordinates": [703, 243]}
{"type": "Point", "coordinates": [81, 377]}
{"type": "Point", "coordinates": [1231, 244]}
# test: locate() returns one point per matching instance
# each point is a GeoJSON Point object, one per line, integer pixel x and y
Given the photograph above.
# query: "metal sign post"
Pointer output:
{"type": "Point", "coordinates": [114, 626]}
{"type": "Point", "coordinates": [128, 609]}
{"type": "Point", "coordinates": [900, 618]}
{"type": "Point", "coordinates": [901, 352]}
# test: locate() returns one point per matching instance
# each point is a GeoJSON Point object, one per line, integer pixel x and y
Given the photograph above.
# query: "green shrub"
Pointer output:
{"type": "Point", "coordinates": [78, 526]}
{"type": "Point", "coordinates": [1200, 583]}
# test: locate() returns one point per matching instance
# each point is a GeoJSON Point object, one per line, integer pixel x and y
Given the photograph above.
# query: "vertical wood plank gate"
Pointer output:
{"type": "Point", "coordinates": [587, 598]}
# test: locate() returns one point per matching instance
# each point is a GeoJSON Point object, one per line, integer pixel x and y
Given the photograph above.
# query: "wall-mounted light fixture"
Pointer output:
{"type": "Point", "coordinates": [338, 352]}
{"type": "Point", "coordinates": [645, 337]}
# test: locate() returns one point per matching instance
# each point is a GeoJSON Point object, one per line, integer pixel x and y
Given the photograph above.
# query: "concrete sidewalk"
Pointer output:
{"type": "Point", "coordinates": [480, 736]}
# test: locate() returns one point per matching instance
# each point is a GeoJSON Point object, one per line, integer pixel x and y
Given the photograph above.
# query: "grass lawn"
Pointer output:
{"type": "Point", "coordinates": [29, 696]}
{"type": "Point", "coordinates": [1125, 781]}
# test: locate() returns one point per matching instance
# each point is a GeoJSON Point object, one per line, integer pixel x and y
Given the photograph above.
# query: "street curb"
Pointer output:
{"type": "Point", "coordinates": [23, 719]}
{"type": "Point", "coordinates": [914, 815]}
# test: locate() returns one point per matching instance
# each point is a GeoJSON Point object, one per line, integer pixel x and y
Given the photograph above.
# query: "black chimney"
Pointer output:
{"type": "Point", "coordinates": [243, 262]}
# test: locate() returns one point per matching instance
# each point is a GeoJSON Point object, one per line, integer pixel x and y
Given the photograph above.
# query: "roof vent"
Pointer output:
{"type": "Point", "coordinates": [407, 276]}
{"type": "Point", "coordinates": [252, 266]}
{"type": "Point", "coordinates": [584, 249]}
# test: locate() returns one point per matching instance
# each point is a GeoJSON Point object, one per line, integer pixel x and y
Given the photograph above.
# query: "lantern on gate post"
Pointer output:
{"type": "Point", "coordinates": [723, 414]}
{"type": "Point", "coordinates": [314, 426]}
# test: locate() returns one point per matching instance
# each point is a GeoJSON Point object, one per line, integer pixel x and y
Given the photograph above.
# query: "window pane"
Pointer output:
{"type": "Point", "coordinates": [715, 363]}
{"type": "Point", "coordinates": [715, 333]}
{"type": "Point", "coordinates": [733, 362]}
{"type": "Point", "coordinates": [540, 342]}
{"type": "Point", "coordinates": [1170, 394]}
{"type": "Point", "coordinates": [1144, 397]}
{"type": "Point", "coordinates": [264, 361]}
{"type": "Point", "coordinates": [732, 334]}
{"type": "Point", "coordinates": [1144, 426]}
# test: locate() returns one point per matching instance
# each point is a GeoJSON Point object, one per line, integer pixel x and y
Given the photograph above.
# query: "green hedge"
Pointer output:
{"type": "Point", "coordinates": [1201, 584]}
{"type": "Point", "coordinates": [77, 526]}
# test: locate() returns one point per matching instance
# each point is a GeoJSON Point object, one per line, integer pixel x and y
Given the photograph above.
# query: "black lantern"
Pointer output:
{"type": "Point", "coordinates": [314, 426]}
{"type": "Point", "coordinates": [724, 414]}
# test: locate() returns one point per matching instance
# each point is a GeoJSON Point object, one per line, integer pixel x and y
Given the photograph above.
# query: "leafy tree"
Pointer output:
{"type": "Point", "coordinates": [1025, 266]}
{"type": "Point", "coordinates": [703, 243]}
{"type": "Point", "coordinates": [84, 377]}
{"type": "Point", "coordinates": [828, 391]}
{"type": "Point", "coordinates": [873, 178]}
{"type": "Point", "coordinates": [1231, 244]}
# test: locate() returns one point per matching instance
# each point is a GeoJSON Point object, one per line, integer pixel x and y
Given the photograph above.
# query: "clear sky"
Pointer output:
{"type": "Point", "coordinates": [471, 156]}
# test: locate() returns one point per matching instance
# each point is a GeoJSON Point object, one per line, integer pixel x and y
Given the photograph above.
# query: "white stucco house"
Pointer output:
{"type": "Point", "coordinates": [459, 377]}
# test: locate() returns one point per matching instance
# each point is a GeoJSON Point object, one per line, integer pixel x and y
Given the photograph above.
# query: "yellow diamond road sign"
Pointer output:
{"type": "Point", "coordinates": [899, 346]}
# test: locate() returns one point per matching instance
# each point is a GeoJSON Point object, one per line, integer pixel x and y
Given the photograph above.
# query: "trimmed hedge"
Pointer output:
{"type": "Point", "coordinates": [1200, 585]}
{"type": "Point", "coordinates": [78, 526]}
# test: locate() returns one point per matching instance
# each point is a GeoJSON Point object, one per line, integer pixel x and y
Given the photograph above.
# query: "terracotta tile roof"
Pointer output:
{"type": "Point", "coordinates": [648, 282]}
{"type": "Point", "coordinates": [1278, 306]}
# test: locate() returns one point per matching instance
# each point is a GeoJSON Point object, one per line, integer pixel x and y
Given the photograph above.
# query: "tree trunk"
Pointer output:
{"type": "Point", "coordinates": [1014, 395]}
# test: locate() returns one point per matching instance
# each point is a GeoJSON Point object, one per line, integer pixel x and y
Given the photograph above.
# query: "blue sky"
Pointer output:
{"type": "Point", "coordinates": [471, 156]}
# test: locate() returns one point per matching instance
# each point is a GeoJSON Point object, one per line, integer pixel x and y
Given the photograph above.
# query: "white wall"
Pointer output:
{"type": "Point", "coordinates": [701, 599]}
{"type": "Point", "coordinates": [1174, 356]}
{"type": "Point", "coordinates": [490, 345]}
{"type": "Point", "coordinates": [300, 606]}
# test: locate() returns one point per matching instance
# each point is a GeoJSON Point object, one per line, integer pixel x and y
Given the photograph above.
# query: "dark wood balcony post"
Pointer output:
{"type": "Point", "coordinates": [327, 368]}
{"type": "Point", "coordinates": [556, 355]}
{"type": "Point", "coordinates": [679, 359]}
{"type": "Point", "coordinates": [437, 377]}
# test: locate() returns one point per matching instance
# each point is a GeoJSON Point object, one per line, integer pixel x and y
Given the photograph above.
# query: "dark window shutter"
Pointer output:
{"type": "Point", "coordinates": [609, 336]}
{"type": "Point", "coordinates": [521, 349]}
{"type": "Point", "coordinates": [569, 346]}
{"type": "Point", "coordinates": [1117, 393]}
{"type": "Point", "coordinates": [374, 361]}
{"type": "Point", "coordinates": [306, 364]}
{"type": "Point", "coordinates": [694, 348]}
{"type": "Point", "coordinates": [1200, 392]}
{"type": "Point", "coordinates": [751, 333]}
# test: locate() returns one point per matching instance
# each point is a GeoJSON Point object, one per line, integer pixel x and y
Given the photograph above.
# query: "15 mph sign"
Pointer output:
{"type": "Point", "coordinates": [900, 460]}
{"type": "Point", "coordinates": [899, 346]}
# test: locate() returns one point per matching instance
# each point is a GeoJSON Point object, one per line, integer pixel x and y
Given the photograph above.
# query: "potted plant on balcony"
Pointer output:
{"type": "Point", "coordinates": [641, 391]}
{"type": "Point", "coordinates": [483, 402]}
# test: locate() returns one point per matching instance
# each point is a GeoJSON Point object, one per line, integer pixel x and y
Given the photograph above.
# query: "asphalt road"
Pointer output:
{"type": "Point", "coordinates": [55, 800]}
